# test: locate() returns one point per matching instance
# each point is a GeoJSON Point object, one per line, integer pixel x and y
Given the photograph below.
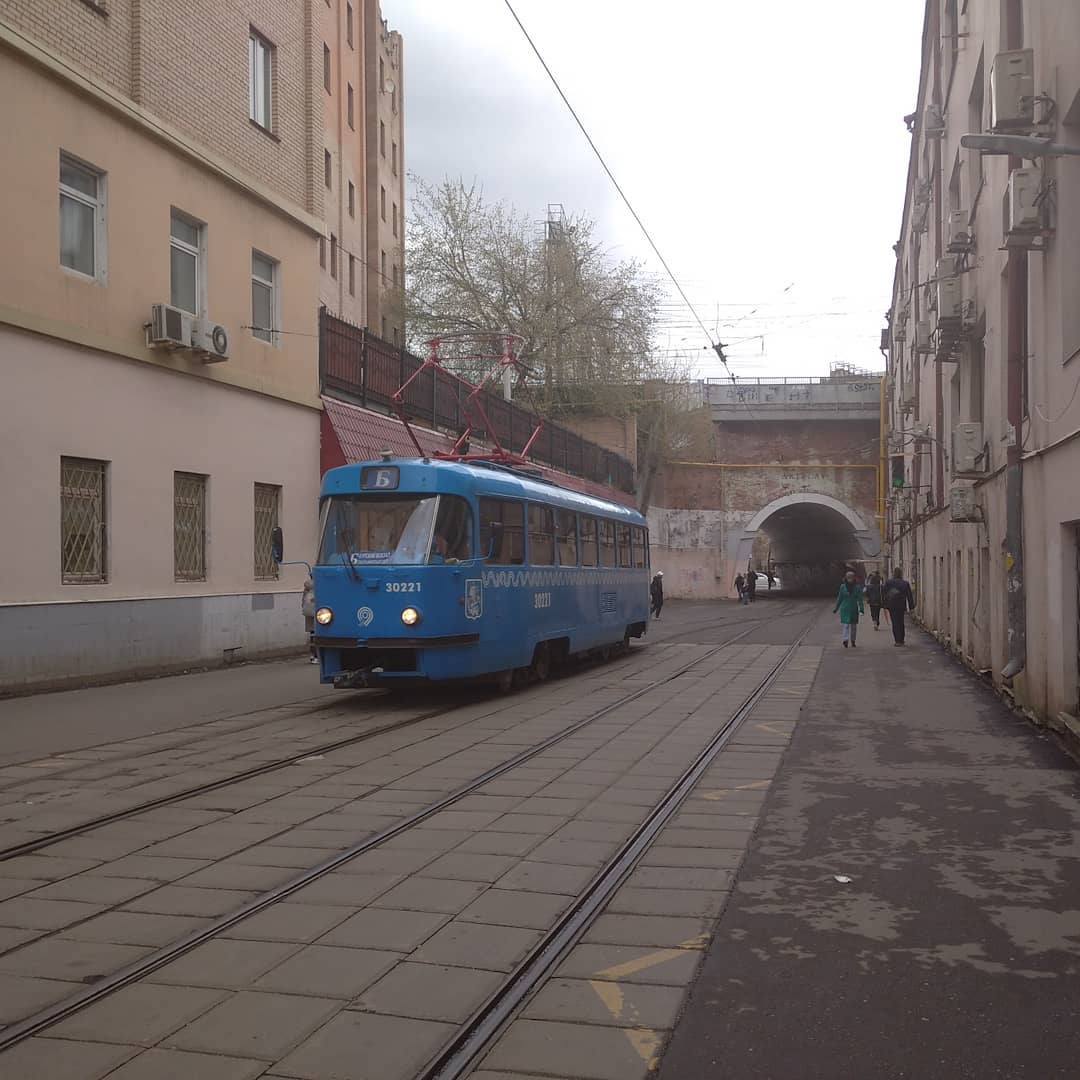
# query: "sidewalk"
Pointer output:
{"type": "Point", "coordinates": [954, 949]}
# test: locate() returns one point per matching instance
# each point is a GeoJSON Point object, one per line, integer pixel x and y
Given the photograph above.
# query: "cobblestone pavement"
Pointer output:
{"type": "Point", "coordinates": [367, 971]}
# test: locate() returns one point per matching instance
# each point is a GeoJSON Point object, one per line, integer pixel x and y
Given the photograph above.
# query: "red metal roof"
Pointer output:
{"type": "Point", "coordinates": [361, 435]}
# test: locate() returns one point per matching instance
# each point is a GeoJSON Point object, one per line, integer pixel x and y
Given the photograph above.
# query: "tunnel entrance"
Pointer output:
{"type": "Point", "coordinates": [807, 540]}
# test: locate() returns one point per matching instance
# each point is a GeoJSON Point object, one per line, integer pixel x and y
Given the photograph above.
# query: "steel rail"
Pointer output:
{"type": "Point", "coordinates": [476, 1035]}
{"type": "Point", "coordinates": [125, 976]}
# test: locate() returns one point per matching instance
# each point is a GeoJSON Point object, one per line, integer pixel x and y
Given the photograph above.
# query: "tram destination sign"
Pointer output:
{"type": "Point", "coordinates": [379, 478]}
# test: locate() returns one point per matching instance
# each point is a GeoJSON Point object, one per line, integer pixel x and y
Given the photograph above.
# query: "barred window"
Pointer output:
{"type": "Point", "coordinates": [82, 521]}
{"type": "Point", "coordinates": [267, 501]}
{"type": "Point", "coordinates": [189, 526]}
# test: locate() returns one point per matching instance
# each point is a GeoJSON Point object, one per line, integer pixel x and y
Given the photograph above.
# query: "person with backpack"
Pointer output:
{"type": "Point", "coordinates": [849, 602]}
{"type": "Point", "coordinates": [874, 589]}
{"type": "Point", "coordinates": [899, 600]}
{"type": "Point", "coordinates": [656, 592]}
{"type": "Point", "coordinates": [750, 586]}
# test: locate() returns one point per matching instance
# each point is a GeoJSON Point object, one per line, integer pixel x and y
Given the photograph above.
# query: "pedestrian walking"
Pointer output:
{"type": "Point", "coordinates": [874, 590]}
{"type": "Point", "coordinates": [751, 586]}
{"type": "Point", "coordinates": [849, 602]}
{"type": "Point", "coordinates": [770, 578]}
{"type": "Point", "coordinates": [307, 606]}
{"type": "Point", "coordinates": [656, 593]}
{"type": "Point", "coordinates": [740, 588]}
{"type": "Point", "coordinates": [899, 600]}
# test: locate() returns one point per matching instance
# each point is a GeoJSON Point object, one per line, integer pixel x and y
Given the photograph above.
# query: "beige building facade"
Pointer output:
{"type": "Point", "coordinates": [156, 154]}
{"type": "Point", "coordinates": [361, 254]}
{"type": "Point", "coordinates": [984, 349]}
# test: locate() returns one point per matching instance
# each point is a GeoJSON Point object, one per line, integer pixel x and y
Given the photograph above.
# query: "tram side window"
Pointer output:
{"type": "Point", "coordinates": [589, 554]}
{"type": "Point", "coordinates": [568, 537]}
{"type": "Point", "coordinates": [452, 539]}
{"type": "Point", "coordinates": [641, 548]}
{"type": "Point", "coordinates": [607, 543]}
{"type": "Point", "coordinates": [625, 555]}
{"type": "Point", "coordinates": [504, 523]}
{"type": "Point", "coordinates": [541, 536]}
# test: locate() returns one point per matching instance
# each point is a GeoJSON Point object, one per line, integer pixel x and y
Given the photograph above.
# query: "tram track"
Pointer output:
{"type": "Point", "coordinates": [111, 983]}
{"type": "Point", "coordinates": [46, 840]}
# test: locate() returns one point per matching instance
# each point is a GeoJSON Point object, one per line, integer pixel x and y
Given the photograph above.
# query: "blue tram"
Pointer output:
{"type": "Point", "coordinates": [431, 570]}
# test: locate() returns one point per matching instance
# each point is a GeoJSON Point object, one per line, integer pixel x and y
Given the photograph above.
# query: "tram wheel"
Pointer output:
{"type": "Point", "coordinates": [541, 665]}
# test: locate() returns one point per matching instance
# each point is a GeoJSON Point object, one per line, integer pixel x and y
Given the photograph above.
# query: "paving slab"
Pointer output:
{"type": "Point", "coordinates": [141, 1014]}
{"type": "Point", "coordinates": [385, 928]}
{"type": "Point", "coordinates": [365, 1046]}
{"type": "Point", "coordinates": [499, 843]}
{"type": "Point", "coordinates": [182, 900]}
{"type": "Point", "coordinates": [23, 995]}
{"type": "Point", "coordinates": [328, 971]}
{"type": "Point", "coordinates": [65, 959]}
{"type": "Point", "coordinates": [28, 913]}
{"type": "Point", "coordinates": [62, 1059]}
{"type": "Point", "coordinates": [135, 928]}
{"type": "Point", "coordinates": [598, 1001]}
{"type": "Point", "coordinates": [345, 890]}
{"type": "Point", "coordinates": [477, 945]}
{"type": "Point", "coordinates": [465, 866]}
{"type": "Point", "coordinates": [152, 867]}
{"type": "Point", "coordinates": [547, 878]}
{"type": "Point", "coordinates": [45, 867]}
{"type": "Point", "coordinates": [230, 874]}
{"type": "Point", "coordinates": [508, 907]}
{"type": "Point", "coordinates": [689, 902]}
{"type": "Point", "coordinates": [224, 963]}
{"type": "Point", "coordinates": [182, 1065]}
{"type": "Point", "coordinates": [625, 963]}
{"type": "Point", "coordinates": [429, 992]}
{"type": "Point", "coordinates": [431, 894]}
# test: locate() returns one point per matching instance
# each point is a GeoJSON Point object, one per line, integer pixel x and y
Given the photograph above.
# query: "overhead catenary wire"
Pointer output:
{"type": "Point", "coordinates": [716, 346]}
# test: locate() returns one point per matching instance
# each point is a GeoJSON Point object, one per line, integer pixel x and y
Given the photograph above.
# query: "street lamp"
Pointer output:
{"type": "Point", "coordinates": [1024, 146]}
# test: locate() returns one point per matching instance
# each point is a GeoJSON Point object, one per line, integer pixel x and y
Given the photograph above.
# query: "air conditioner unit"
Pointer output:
{"type": "Point", "coordinates": [1025, 213]}
{"type": "Point", "coordinates": [903, 507]}
{"type": "Point", "coordinates": [1012, 90]}
{"type": "Point", "coordinates": [961, 237]}
{"type": "Point", "coordinates": [211, 340]}
{"type": "Point", "coordinates": [923, 343]}
{"type": "Point", "coordinates": [169, 327]}
{"type": "Point", "coordinates": [969, 448]}
{"type": "Point", "coordinates": [907, 398]}
{"type": "Point", "coordinates": [934, 123]}
{"type": "Point", "coordinates": [962, 503]}
{"type": "Point", "coordinates": [949, 293]}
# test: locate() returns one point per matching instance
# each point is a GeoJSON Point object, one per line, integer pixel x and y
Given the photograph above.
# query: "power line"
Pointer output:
{"type": "Point", "coordinates": [716, 346]}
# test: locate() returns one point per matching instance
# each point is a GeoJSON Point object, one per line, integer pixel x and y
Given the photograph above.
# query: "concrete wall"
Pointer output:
{"type": "Point", "coordinates": [618, 434]}
{"type": "Point", "coordinates": [960, 567]}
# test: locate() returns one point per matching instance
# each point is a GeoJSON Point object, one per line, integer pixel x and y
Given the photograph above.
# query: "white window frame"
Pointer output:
{"type": "Point", "coordinates": [260, 80]}
{"type": "Point", "coordinates": [272, 285]}
{"type": "Point", "coordinates": [98, 203]}
{"type": "Point", "coordinates": [198, 251]}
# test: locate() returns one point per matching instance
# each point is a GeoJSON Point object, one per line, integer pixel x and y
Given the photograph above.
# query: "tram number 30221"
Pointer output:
{"type": "Point", "coordinates": [403, 586]}
{"type": "Point", "coordinates": [542, 600]}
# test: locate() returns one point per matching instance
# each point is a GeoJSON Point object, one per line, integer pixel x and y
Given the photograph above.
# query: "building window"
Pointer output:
{"type": "Point", "coordinates": [260, 80]}
{"type": "Point", "coordinates": [322, 252]}
{"type": "Point", "coordinates": [382, 266]}
{"type": "Point", "coordinates": [382, 203]}
{"type": "Point", "coordinates": [384, 328]}
{"type": "Point", "coordinates": [382, 75]}
{"type": "Point", "coordinates": [395, 335]}
{"type": "Point", "coordinates": [82, 218]}
{"type": "Point", "coordinates": [382, 139]}
{"type": "Point", "coordinates": [352, 275]}
{"type": "Point", "coordinates": [189, 526]}
{"type": "Point", "coordinates": [187, 242]}
{"type": "Point", "coordinates": [352, 200]}
{"type": "Point", "coordinates": [393, 158]}
{"type": "Point", "coordinates": [82, 521]}
{"type": "Point", "coordinates": [348, 24]}
{"type": "Point", "coordinates": [395, 275]}
{"type": "Point", "coordinates": [328, 168]}
{"type": "Point", "coordinates": [326, 66]}
{"type": "Point", "coordinates": [395, 219]}
{"type": "Point", "coordinates": [264, 272]}
{"type": "Point", "coordinates": [267, 503]}
{"type": "Point", "coordinates": [333, 255]}
{"type": "Point", "coordinates": [352, 118]}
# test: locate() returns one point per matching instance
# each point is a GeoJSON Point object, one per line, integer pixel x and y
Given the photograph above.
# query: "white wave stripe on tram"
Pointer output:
{"type": "Point", "coordinates": [546, 579]}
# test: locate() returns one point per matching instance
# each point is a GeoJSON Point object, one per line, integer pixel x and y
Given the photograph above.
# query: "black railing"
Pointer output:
{"type": "Point", "coordinates": [366, 369]}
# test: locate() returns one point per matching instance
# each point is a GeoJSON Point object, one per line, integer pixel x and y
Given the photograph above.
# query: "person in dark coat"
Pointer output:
{"type": "Point", "coordinates": [751, 586]}
{"type": "Point", "coordinates": [656, 592]}
{"type": "Point", "coordinates": [874, 596]}
{"type": "Point", "coordinates": [740, 587]}
{"type": "Point", "coordinates": [899, 600]}
{"type": "Point", "coordinates": [849, 602]}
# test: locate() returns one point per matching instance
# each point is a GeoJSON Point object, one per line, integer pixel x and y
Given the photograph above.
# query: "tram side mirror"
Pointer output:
{"type": "Point", "coordinates": [277, 544]}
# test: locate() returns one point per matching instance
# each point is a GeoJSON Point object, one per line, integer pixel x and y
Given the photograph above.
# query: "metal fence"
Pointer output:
{"type": "Point", "coordinates": [357, 364]}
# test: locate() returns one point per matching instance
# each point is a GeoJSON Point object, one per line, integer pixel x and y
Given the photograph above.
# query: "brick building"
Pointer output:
{"type": "Point", "coordinates": [984, 347]}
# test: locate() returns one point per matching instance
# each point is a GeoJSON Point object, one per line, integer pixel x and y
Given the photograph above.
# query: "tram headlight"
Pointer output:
{"type": "Point", "coordinates": [324, 616]}
{"type": "Point", "coordinates": [410, 616]}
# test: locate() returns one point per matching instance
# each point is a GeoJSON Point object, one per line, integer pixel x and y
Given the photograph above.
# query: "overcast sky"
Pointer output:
{"type": "Point", "coordinates": [762, 143]}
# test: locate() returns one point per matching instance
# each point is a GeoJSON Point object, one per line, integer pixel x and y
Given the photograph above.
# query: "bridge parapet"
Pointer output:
{"type": "Point", "coordinates": [794, 399]}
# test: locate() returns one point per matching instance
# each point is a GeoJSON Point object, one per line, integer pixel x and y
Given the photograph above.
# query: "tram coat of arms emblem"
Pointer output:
{"type": "Point", "coordinates": [474, 598]}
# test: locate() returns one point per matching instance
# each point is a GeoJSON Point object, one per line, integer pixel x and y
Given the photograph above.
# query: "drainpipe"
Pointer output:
{"type": "Point", "coordinates": [1016, 300]}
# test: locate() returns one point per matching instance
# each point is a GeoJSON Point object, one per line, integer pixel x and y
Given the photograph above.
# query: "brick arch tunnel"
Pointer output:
{"type": "Point", "coordinates": [809, 539]}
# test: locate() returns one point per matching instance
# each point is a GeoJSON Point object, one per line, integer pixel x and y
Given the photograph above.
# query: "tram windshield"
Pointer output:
{"type": "Point", "coordinates": [399, 530]}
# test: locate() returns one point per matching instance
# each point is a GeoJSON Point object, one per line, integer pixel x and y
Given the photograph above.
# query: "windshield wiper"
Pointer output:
{"type": "Point", "coordinates": [346, 537]}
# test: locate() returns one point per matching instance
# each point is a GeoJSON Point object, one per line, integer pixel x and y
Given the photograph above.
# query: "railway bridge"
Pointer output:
{"type": "Point", "coordinates": [796, 484]}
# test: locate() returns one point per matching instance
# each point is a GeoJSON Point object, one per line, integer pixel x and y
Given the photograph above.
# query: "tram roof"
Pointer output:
{"type": "Point", "coordinates": [450, 477]}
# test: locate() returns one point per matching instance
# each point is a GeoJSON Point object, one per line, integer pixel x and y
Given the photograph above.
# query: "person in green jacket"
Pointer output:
{"type": "Point", "coordinates": [849, 602]}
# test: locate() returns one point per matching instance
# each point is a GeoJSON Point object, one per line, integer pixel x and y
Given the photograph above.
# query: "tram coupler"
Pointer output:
{"type": "Point", "coordinates": [356, 680]}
